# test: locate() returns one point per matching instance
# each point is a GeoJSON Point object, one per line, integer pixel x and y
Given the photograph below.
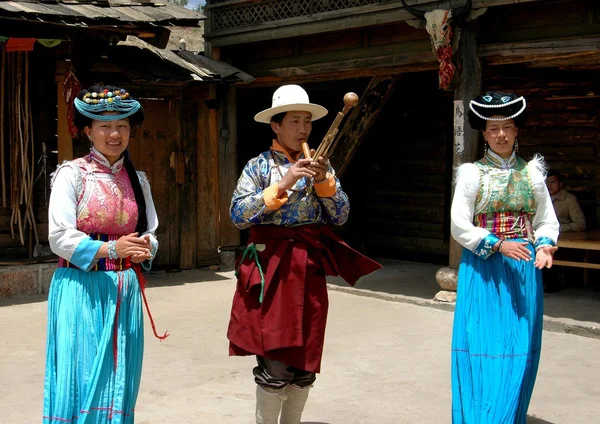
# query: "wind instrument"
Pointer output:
{"type": "Point", "coordinates": [324, 149]}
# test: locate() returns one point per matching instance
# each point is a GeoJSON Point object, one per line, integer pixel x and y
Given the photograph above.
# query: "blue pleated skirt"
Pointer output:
{"type": "Point", "coordinates": [496, 340]}
{"type": "Point", "coordinates": [94, 348]}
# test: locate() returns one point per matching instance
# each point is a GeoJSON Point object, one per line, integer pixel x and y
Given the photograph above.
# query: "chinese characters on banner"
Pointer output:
{"type": "Point", "coordinates": [459, 127]}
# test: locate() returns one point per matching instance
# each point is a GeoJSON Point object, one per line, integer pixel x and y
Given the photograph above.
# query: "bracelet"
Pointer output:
{"type": "Point", "coordinates": [500, 246]}
{"type": "Point", "coordinates": [112, 250]}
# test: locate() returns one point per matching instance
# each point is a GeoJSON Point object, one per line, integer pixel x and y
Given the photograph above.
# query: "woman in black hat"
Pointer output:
{"type": "Point", "coordinates": [502, 215]}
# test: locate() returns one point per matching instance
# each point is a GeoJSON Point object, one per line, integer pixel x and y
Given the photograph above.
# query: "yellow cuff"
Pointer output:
{"type": "Point", "coordinates": [270, 197]}
{"type": "Point", "coordinates": [326, 188]}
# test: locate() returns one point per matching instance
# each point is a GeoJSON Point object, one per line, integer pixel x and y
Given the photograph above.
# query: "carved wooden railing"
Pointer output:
{"type": "Point", "coordinates": [228, 15]}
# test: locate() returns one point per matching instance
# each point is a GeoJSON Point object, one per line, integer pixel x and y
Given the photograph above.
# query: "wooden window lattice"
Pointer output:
{"type": "Point", "coordinates": [259, 13]}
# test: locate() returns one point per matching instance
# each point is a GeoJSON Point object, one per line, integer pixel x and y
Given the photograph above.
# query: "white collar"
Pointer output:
{"type": "Point", "coordinates": [500, 161]}
{"type": "Point", "coordinates": [101, 159]}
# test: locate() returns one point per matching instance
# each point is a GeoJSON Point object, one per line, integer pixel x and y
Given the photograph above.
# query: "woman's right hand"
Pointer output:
{"type": "Point", "coordinates": [516, 250]}
{"type": "Point", "coordinates": [131, 245]}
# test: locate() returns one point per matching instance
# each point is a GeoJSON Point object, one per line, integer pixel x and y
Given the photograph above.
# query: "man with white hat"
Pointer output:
{"type": "Point", "coordinates": [279, 309]}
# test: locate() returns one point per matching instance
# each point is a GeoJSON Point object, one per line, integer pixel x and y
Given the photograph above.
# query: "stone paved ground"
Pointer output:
{"type": "Point", "coordinates": [385, 362]}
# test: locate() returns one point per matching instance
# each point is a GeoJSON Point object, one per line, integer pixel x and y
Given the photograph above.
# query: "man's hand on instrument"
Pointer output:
{"type": "Point", "coordinates": [298, 170]}
{"type": "Point", "coordinates": [543, 257]}
{"type": "Point", "coordinates": [320, 165]}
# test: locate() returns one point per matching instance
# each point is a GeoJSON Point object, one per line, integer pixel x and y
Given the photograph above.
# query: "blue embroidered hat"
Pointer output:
{"type": "Point", "coordinates": [496, 103]}
{"type": "Point", "coordinates": [91, 104]}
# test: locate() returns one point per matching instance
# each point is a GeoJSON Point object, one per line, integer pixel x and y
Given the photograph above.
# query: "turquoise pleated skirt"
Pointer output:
{"type": "Point", "coordinates": [496, 340]}
{"type": "Point", "coordinates": [94, 348]}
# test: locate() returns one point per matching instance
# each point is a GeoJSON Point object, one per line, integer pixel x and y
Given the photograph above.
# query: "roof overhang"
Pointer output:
{"type": "Point", "coordinates": [120, 18]}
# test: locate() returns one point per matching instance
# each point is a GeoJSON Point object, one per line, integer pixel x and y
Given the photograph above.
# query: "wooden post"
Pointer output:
{"type": "Point", "coordinates": [65, 142]}
{"type": "Point", "coordinates": [469, 87]}
{"type": "Point", "coordinates": [208, 185]}
{"type": "Point", "coordinates": [175, 204]}
{"type": "Point", "coordinates": [187, 218]}
{"type": "Point", "coordinates": [359, 122]}
{"type": "Point", "coordinates": [228, 169]}
{"type": "Point", "coordinates": [208, 48]}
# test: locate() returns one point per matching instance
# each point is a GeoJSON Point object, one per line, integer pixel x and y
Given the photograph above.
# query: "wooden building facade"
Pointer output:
{"type": "Point", "coordinates": [400, 138]}
{"type": "Point", "coordinates": [77, 44]}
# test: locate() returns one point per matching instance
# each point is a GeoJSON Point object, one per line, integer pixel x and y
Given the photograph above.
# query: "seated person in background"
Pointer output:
{"type": "Point", "coordinates": [571, 219]}
{"type": "Point", "coordinates": [567, 208]}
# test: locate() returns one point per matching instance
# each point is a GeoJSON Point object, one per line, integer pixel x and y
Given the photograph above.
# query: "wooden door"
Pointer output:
{"type": "Point", "coordinates": [152, 146]}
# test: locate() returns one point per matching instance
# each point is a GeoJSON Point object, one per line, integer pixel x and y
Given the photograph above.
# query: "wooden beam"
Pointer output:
{"type": "Point", "coordinates": [357, 73]}
{"type": "Point", "coordinates": [352, 17]}
{"type": "Point", "coordinates": [359, 122]}
{"type": "Point", "coordinates": [513, 60]}
{"type": "Point", "coordinates": [423, 60]}
{"type": "Point", "coordinates": [576, 264]}
{"type": "Point", "coordinates": [19, 27]}
{"type": "Point", "coordinates": [545, 47]}
{"type": "Point", "coordinates": [469, 87]}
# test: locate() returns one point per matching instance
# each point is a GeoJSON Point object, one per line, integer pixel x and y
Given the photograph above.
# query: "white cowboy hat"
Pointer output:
{"type": "Point", "coordinates": [289, 98]}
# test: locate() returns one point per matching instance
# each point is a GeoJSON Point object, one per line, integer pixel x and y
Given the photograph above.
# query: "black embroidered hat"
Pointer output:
{"type": "Point", "coordinates": [496, 103]}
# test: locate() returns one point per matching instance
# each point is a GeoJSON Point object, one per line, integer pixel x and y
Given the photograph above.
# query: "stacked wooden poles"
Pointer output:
{"type": "Point", "coordinates": [22, 151]}
{"type": "Point", "coordinates": [2, 148]}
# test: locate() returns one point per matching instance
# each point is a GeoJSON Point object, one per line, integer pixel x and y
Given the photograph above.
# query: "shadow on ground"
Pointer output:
{"type": "Point", "coordinates": [412, 279]}
{"type": "Point", "coordinates": [154, 279]}
{"type": "Point", "coordinates": [535, 420]}
{"type": "Point", "coordinates": [416, 281]}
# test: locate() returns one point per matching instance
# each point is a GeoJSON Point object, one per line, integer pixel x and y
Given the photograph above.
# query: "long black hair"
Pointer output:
{"type": "Point", "coordinates": [137, 118]}
{"type": "Point", "coordinates": [142, 223]}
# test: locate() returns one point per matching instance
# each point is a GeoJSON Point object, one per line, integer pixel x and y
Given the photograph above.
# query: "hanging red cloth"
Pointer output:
{"type": "Point", "coordinates": [20, 44]}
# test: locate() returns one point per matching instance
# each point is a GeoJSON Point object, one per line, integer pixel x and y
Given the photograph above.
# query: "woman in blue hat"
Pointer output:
{"type": "Point", "coordinates": [101, 224]}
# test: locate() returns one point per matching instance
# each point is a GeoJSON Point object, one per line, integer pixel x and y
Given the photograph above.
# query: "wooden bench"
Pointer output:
{"type": "Point", "coordinates": [586, 241]}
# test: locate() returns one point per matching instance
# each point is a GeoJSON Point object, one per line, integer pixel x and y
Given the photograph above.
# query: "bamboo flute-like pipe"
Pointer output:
{"type": "Point", "coordinates": [350, 100]}
{"type": "Point", "coordinates": [305, 150]}
{"type": "Point", "coordinates": [2, 158]}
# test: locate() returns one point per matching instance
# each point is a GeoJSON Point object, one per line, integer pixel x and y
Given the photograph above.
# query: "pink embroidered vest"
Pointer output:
{"type": "Point", "coordinates": [106, 203]}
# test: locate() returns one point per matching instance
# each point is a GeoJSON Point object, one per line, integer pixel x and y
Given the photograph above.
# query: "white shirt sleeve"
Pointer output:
{"type": "Point", "coordinates": [463, 208]}
{"type": "Point", "coordinates": [63, 235]}
{"type": "Point", "coordinates": [544, 222]}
